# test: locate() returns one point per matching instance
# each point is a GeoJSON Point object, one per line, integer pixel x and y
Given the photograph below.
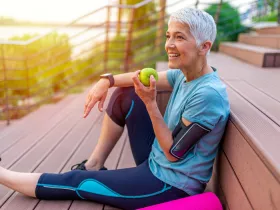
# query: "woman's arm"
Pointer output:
{"type": "Point", "coordinates": [98, 92]}
{"type": "Point", "coordinates": [162, 132]}
{"type": "Point", "coordinates": [125, 80]}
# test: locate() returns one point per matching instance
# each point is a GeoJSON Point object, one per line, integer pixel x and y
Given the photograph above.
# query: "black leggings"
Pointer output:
{"type": "Point", "coordinates": [129, 188]}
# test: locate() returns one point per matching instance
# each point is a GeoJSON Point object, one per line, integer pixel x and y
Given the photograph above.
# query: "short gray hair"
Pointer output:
{"type": "Point", "coordinates": [202, 25]}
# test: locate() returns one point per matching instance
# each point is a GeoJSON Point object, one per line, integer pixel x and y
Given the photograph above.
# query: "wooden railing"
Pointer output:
{"type": "Point", "coordinates": [32, 73]}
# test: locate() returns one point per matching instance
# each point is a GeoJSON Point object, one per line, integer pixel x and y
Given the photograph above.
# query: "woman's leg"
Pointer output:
{"type": "Point", "coordinates": [109, 136]}
{"type": "Point", "coordinates": [124, 108]}
{"type": "Point", "coordinates": [129, 188]}
{"type": "Point", "coordinates": [128, 109]}
{"type": "Point", "coordinates": [24, 183]}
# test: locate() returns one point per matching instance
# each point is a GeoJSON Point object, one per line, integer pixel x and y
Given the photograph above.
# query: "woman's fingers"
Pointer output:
{"type": "Point", "coordinates": [136, 80]}
{"type": "Point", "coordinates": [86, 104]}
{"type": "Point", "coordinates": [89, 106]}
{"type": "Point", "coordinates": [101, 102]}
{"type": "Point", "coordinates": [152, 83]}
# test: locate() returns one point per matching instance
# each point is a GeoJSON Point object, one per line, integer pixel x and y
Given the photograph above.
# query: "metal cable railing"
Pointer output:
{"type": "Point", "coordinates": [32, 72]}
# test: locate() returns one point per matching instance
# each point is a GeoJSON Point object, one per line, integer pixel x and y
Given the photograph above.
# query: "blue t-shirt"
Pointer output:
{"type": "Point", "coordinates": [205, 101]}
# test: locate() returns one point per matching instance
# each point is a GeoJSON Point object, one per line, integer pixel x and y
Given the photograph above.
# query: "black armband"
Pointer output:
{"type": "Point", "coordinates": [185, 137]}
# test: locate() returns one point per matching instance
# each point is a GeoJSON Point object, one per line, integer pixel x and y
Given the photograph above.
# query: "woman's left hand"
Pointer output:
{"type": "Point", "coordinates": [147, 94]}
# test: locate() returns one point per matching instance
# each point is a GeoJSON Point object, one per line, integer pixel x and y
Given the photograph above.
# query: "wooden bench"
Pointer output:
{"type": "Point", "coordinates": [246, 173]}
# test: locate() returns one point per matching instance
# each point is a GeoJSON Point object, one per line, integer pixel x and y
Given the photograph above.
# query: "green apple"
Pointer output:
{"type": "Point", "coordinates": [145, 74]}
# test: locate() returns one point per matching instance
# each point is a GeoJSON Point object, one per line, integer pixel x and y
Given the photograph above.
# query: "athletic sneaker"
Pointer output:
{"type": "Point", "coordinates": [81, 166]}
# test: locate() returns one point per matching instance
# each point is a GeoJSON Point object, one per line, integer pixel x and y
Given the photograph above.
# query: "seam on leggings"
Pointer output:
{"type": "Point", "coordinates": [130, 109]}
{"type": "Point", "coordinates": [165, 188]}
{"type": "Point", "coordinates": [41, 178]}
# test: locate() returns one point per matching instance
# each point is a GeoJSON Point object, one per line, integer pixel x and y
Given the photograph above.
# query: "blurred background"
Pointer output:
{"type": "Point", "coordinates": [49, 49]}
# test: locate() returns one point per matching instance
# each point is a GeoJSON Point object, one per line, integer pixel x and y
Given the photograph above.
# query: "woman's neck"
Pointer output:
{"type": "Point", "coordinates": [197, 70]}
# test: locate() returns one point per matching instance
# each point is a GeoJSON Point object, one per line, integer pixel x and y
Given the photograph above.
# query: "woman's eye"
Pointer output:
{"type": "Point", "coordinates": [167, 36]}
{"type": "Point", "coordinates": [180, 37]}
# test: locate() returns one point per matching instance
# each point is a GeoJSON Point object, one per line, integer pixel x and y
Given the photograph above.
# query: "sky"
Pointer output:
{"type": "Point", "coordinates": [48, 10]}
{"type": "Point", "coordinates": [60, 10]}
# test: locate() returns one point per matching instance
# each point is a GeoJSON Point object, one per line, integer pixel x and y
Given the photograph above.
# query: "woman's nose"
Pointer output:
{"type": "Point", "coordinates": [170, 44]}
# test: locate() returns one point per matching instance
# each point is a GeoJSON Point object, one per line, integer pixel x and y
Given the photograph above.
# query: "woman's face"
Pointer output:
{"type": "Point", "coordinates": [180, 46]}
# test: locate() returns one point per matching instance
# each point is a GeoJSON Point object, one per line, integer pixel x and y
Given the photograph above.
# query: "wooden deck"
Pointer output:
{"type": "Point", "coordinates": [52, 139]}
{"type": "Point", "coordinates": [247, 171]}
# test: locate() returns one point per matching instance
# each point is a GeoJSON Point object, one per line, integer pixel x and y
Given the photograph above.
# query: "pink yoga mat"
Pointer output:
{"type": "Point", "coordinates": [204, 201]}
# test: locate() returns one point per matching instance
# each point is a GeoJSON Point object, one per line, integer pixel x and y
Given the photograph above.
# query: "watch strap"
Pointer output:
{"type": "Point", "coordinates": [110, 77]}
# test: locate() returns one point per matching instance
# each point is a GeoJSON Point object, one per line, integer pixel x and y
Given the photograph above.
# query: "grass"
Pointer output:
{"type": "Point", "coordinates": [272, 17]}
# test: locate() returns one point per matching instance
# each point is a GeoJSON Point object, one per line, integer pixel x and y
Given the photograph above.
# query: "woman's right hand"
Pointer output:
{"type": "Point", "coordinates": [97, 93]}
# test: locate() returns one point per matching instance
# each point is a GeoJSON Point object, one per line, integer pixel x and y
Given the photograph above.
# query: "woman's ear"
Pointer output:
{"type": "Point", "coordinates": [205, 47]}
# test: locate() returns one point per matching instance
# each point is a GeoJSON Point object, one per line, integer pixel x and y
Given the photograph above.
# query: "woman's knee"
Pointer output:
{"type": "Point", "coordinates": [119, 104]}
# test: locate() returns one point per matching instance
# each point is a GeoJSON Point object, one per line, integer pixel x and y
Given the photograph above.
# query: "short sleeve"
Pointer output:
{"type": "Point", "coordinates": [204, 107]}
{"type": "Point", "coordinates": [172, 75]}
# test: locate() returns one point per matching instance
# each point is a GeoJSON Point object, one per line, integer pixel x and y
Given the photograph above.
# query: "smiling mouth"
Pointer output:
{"type": "Point", "coordinates": [173, 55]}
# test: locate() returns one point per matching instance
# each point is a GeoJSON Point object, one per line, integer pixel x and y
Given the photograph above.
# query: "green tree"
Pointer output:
{"type": "Point", "coordinates": [229, 24]}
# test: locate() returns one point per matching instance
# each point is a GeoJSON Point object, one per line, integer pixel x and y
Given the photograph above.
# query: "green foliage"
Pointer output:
{"type": "Point", "coordinates": [271, 17]}
{"type": "Point", "coordinates": [229, 24]}
{"type": "Point", "coordinates": [272, 4]}
{"type": "Point", "coordinates": [143, 15]}
{"type": "Point", "coordinates": [34, 71]}
{"type": "Point", "coordinates": [37, 66]}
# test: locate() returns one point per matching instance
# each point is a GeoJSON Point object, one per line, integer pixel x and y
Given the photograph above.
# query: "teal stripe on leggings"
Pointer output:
{"type": "Point", "coordinates": [96, 187]}
{"type": "Point", "coordinates": [130, 109]}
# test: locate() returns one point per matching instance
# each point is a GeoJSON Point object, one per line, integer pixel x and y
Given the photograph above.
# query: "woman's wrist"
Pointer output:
{"type": "Point", "coordinates": [106, 82]}
{"type": "Point", "coordinates": [151, 105]}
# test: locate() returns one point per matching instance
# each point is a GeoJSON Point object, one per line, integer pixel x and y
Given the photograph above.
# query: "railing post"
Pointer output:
{"type": "Point", "coordinates": [106, 47]}
{"type": "Point", "coordinates": [196, 4]}
{"type": "Point", "coordinates": [160, 26]}
{"type": "Point", "coordinates": [278, 13]}
{"type": "Point", "coordinates": [217, 15]}
{"type": "Point", "coordinates": [127, 58]}
{"type": "Point", "coordinates": [27, 76]}
{"type": "Point", "coordinates": [119, 19]}
{"type": "Point", "coordinates": [5, 85]}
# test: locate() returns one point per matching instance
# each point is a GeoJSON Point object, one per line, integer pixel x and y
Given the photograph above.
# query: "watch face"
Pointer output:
{"type": "Point", "coordinates": [107, 74]}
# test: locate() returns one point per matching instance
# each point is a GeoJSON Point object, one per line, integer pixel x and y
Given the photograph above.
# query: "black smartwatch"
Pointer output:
{"type": "Point", "coordinates": [110, 77]}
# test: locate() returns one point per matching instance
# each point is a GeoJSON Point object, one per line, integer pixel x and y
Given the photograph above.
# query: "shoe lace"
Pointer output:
{"type": "Point", "coordinates": [80, 166]}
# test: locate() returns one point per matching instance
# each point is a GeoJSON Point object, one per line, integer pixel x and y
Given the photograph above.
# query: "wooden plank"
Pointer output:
{"type": "Point", "coordinates": [111, 163]}
{"type": "Point", "coordinates": [214, 183]}
{"type": "Point", "coordinates": [260, 100]}
{"type": "Point", "coordinates": [262, 134]}
{"type": "Point", "coordinates": [4, 192]}
{"type": "Point", "coordinates": [35, 155]}
{"type": "Point", "coordinates": [271, 41]}
{"type": "Point", "coordinates": [12, 154]}
{"type": "Point", "coordinates": [126, 161]}
{"type": "Point", "coordinates": [36, 132]}
{"type": "Point", "coordinates": [264, 79]}
{"type": "Point", "coordinates": [57, 159]}
{"type": "Point", "coordinates": [27, 123]}
{"type": "Point", "coordinates": [258, 182]}
{"type": "Point", "coordinates": [269, 30]}
{"type": "Point", "coordinates": [247, 55]}
{"type": "Point", "coordinates": [235, 196]}
{"type": "Point", "coordinates": [80, 154]}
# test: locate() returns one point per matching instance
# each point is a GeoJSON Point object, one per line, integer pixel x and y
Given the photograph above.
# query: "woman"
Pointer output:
{"type": "Point", "coordinates": [175, 154]}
